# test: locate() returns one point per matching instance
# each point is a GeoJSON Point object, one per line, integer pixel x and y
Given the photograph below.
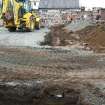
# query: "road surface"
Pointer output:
{"type": "Point", "coordinates": [31, 39]}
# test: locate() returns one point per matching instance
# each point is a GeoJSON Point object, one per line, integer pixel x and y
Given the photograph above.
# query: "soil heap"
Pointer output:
{"type": "Point", "coordinates": [91, 36]}
{"type": "Point", "coordinates": [94, 36]}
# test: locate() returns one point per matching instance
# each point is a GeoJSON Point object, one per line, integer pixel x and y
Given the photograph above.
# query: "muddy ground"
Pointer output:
{"type": "Point", "coordinates": [30, 76]}
{"type": "Point", "coordinates": [68, 72]}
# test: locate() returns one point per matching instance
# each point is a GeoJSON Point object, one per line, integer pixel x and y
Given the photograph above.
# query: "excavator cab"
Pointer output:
{"type": "Point", "coordinates": [18, 15]}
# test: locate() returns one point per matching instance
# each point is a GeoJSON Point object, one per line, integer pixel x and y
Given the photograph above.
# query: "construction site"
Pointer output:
{"type": "Point", "coordinates": [52, 54]}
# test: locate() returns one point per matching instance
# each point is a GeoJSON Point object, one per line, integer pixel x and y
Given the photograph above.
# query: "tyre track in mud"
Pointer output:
{"type": "Point", "coordinates": [56, 73]}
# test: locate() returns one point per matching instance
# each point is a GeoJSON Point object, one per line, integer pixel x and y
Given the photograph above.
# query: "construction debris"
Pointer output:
{"type": "Point", "coordinates": [55, 17]}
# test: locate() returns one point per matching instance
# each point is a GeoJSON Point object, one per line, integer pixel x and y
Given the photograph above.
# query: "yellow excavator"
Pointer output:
{"type": "Point", "coordinates": [18, 15]}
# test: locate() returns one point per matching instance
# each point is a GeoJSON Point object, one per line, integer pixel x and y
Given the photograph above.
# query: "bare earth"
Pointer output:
{"type": "Point", "coordinates": [51, 76]}
{"type": "Point", "coordinates": [60, 70]}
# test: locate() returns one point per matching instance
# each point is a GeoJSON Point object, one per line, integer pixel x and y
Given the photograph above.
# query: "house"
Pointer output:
{"type": "Point", "coordinates": [35, 4]}
{"type": "Point", "coordinates": [99, 13]}
{"type": "Point", "coordinates": [102, 13]}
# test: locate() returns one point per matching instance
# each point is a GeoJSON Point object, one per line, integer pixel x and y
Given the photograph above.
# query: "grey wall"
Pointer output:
{"type": "Point", "coordinates": [57, 4]}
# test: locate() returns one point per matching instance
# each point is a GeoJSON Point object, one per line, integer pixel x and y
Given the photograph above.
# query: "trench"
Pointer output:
{"type": "Point", "coordinates": [36, 93]}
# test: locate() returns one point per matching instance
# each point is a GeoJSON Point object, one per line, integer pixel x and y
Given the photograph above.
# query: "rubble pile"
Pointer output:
{"type": "Point", "coordinates": [55, 17]}
{"type": "Point", "coordinates": [59, 36]}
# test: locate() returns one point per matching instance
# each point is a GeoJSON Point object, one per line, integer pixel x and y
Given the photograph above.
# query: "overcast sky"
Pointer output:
{"type": "Point", "coordinates": [92, 3]}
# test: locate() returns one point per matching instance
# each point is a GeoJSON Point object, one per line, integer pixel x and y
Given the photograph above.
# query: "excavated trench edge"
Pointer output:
{"type": "Point", "coordinates": [36, 92]}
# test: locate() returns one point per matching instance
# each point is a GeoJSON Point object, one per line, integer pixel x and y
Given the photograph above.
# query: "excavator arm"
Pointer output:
{"type": "Point", "coordinates": [16, 7]}
{"type": "Point", "coordinates": [10, 9]}
{"type": "Point", "coordinates": [17, 15]}
{"type": "Point", "coordinates": [5, 4]}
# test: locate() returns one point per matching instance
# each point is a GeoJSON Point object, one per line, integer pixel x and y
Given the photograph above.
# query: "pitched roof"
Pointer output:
{"type": "Point", "coordinates": [59, 4]}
